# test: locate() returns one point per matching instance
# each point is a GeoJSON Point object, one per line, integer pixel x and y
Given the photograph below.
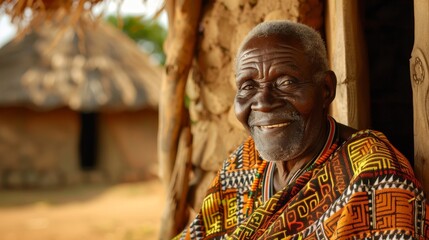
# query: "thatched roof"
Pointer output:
{"type": "Point", "coordinates": [93, 67]}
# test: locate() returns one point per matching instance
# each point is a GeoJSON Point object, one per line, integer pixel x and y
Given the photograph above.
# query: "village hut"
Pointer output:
{"type": "Point", "coordinates": [77, 104]}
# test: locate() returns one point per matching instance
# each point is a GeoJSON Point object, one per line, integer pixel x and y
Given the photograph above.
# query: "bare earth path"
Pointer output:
{"type": "Point", "coordinates": [126, 211]}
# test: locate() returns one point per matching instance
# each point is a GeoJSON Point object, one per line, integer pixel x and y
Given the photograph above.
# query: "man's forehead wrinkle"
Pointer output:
{"type": "Point", "coordinates": [248, 64]}
{"type": "Point", "coordinates": [267, 57]}
{"type": "Point", "coordinates": [245, 70]}
{"type": "Point", "coordinates": [279, 57]}
{"type": "Point", "coordinates": [248, 50]}
{"type": "Point", "coordinates": [258, 52]}
{"type": "Point", "coordinates": [278, 54]}
{"type": "Point", "coordinates": [249, 60]}
{"type": "Point", "coordinates": [283, 59]}
{"type": "Point", "coordinates": [288, 62]}
{"type": "Point", "coordinates": [277, 47]}
{"type": "Point", "coordinates": [245, 53]}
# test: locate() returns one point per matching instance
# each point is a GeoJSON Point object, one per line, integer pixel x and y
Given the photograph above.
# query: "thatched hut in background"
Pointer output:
{"type": "Point", "coordinates": [76, 106]}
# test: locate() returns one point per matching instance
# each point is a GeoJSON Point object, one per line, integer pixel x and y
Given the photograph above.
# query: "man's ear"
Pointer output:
{"type": "Point", "coordinates": [330, 86]}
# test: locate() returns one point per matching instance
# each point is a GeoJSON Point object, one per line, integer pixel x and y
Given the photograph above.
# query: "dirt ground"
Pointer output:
{"type": "Point", "coordinates": [125, 211]}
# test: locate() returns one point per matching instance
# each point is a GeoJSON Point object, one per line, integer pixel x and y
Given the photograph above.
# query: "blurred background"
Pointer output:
{"type": "Point", "coordinates": [80, 93]}
{"type": "Point", "coordinates": [78, 124]}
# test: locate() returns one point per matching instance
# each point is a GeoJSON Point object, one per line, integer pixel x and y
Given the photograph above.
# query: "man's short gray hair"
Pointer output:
{"type": "Point", "coordinates": [312, 43]}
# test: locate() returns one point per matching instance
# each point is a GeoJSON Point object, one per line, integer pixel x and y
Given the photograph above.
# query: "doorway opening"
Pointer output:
{"type": "Point", "coordinates": [389, 35]}
{"type": "Point", "coordinates": [88, 142]}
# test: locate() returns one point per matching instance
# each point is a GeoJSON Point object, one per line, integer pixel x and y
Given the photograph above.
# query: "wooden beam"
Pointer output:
{"type": "Point", "coordinates": [347, 55]}
{"type": "Point", "coordinates": [174, 154]}
{"type": "Point", "coordinates": [420, 85]}
{"type": "Point", "coordinates": [180, 46]}
{"type": "Point", "coordinates": [176, 214]}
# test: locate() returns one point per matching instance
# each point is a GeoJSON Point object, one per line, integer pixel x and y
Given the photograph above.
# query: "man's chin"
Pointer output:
{"type": "Point", "coordinates": [274, 155]}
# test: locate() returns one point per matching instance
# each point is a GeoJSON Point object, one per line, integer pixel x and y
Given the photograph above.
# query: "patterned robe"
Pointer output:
{"type": "Point", "coordinates": [365, 189]}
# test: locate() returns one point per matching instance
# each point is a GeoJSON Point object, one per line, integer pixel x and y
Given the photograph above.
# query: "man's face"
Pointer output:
{"type": "Point", "coordinates": [277, 99]}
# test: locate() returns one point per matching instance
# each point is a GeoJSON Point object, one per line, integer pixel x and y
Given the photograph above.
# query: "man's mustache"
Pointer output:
{"type": "Point", "coordinates": [262, 118]}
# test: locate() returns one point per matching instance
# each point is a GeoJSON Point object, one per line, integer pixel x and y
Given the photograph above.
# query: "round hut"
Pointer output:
{"type": "Point", "coordinates": [77, 104]}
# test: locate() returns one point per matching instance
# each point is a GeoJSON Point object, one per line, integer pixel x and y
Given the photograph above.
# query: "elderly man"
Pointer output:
{"type": "Point", "coordinates": [301, 175]}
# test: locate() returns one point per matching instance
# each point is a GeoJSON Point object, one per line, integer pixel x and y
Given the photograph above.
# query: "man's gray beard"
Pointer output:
{"type": "Point", "coordinates": [281, 149]}
{"type": "Point", "coordinates": [282, 154]}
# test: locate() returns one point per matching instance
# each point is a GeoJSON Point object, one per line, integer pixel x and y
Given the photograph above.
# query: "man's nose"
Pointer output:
{"type": "Point", "coordinates": [265, 100]}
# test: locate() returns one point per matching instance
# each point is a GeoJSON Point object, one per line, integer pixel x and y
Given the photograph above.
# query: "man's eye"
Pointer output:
{"type": "Point", "coordinates": [248, 85]}
{"type": "Point", "coordinates": [286, 82]}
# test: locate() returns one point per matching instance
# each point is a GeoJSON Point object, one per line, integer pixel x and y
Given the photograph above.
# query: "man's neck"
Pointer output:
{"type": "Point", "coordinates": [287, 171]}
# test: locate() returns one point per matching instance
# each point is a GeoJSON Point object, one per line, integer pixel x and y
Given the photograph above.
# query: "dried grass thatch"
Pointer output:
{"type": "Point", "coordinates": [30, 14]}
{"type": "Point", "coordinates": [19, 9]}
{"type": "Point", "coordinates": [90, 67]}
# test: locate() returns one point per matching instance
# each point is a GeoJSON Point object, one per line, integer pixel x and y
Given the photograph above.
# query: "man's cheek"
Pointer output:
{"type": "Point", "coordinates": [306, 107]}
{"type": "Point", "coordinates": [242, 111]}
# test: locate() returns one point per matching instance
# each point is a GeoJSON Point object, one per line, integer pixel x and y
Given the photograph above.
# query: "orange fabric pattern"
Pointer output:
{"type": "Point", "coordinates": [364, 189]}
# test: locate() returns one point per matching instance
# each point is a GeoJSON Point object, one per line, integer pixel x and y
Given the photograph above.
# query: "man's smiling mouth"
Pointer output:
{"type": "Point", "coordinates": [274, 125]}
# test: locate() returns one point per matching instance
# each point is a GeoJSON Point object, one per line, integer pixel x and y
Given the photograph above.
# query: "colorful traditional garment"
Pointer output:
{"type": "Point", "coordinates": [362, 188]}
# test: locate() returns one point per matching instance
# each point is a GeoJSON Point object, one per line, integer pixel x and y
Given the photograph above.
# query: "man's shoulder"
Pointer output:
{"type": "Point", "coordinates": [368, 141]}
{"type": "Point", "coordinates": [371, 154]}
{"type": "Point", "coordinates": [367, 134]}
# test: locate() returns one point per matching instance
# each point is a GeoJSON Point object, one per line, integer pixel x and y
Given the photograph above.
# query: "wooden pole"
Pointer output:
{"type": "Point", "coordinates": [346, 51]}
{"type": "Point", "coordinates": [420, 85]}
{"type": "Point", "coordinates": [175, 216]}
{"type": "Point", "coordinates": [174, 134]}
{"type": "Point", "coordinates": [184, 18]}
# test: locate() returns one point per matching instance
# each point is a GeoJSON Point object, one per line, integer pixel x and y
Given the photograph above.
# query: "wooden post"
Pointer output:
{"type": "Point", "coordinates": [174, 134]}
{"type": "Point", "coordinates": [175, 216]}
{"type": "Point", "coordinates": [347, 55]}
{"type": "Point", "coordinates": [420, 85]}
{"type": "Point", "coordinates": [184, 18]}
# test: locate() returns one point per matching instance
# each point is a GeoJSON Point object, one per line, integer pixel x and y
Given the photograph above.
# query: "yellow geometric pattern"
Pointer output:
{"type": "Point", "coordinates": [211, 213]}
{"type": "Point", "coordinates": [365, 189]}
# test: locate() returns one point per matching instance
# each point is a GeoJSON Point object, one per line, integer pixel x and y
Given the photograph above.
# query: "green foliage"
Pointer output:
{"type": "Point", "coordinates": [187, 101]}
{"type": "Point", "coordinates": [148, 33]}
